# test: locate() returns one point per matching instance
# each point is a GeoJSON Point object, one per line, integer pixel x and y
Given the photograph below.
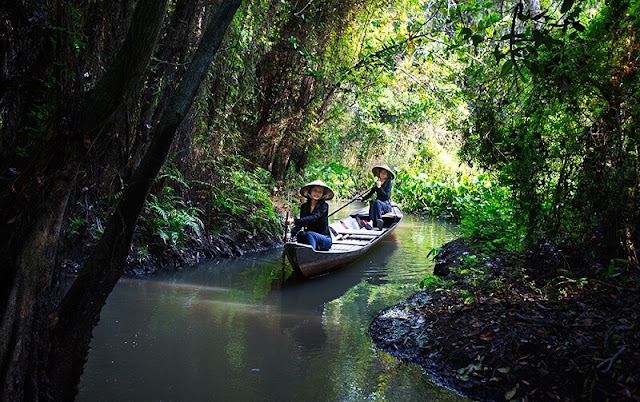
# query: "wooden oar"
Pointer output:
{"type": "Point", "coordinates": [352, 200]}
{"type": "Point", "coordinates": [284, 240]}
{"type": "Point", "coordinates": [286, 228]}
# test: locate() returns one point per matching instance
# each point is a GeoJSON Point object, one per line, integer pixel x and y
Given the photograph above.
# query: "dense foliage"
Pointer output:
{"type": "Point", "coordinates": [559, 125]}
{"type": "Point", "coordinates": [519, 120]}
{"type": "Point", "coordinates": [543, 98]}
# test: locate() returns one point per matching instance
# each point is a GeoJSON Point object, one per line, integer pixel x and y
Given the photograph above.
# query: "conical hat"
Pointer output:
{"type": "Point", "coordinates": [376, 170]}
{"type": "Point", "coordinates": [328, 193]}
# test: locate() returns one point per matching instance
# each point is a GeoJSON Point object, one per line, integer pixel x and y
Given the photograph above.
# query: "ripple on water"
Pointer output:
{"type": "Point", "coordinates": [237, 330]}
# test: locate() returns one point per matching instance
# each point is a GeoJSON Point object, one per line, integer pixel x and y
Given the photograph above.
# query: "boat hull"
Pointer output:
{"type": "Point", "coordinates": [308, 262]}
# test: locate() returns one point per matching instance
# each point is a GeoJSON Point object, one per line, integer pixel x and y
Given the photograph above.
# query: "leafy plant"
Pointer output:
{"type": "Point", "coordinates": [168, 215]}
{"type": "Point", "coordinates": [434, 252]}
{"type": "Point", "coordinates": [244, 196]}
{"type": "Point", "coordinates": [483, 208]}
{"type": "Point", "coordinates": [143, 253]}
{"type": "Point", "coordinates": [431, 282]}
{"type": "Point", "coordinates": [74, 226]}
{"type": "Point", "coordinates": [170, 218]}
{"type": "Point", "coordinates": [340, 178]}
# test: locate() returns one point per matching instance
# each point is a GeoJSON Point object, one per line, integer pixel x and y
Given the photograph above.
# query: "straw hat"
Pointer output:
{"type": "Point", "coordinates": [376, 170]}
{"type": "Point", "coordinates": [328, 193]}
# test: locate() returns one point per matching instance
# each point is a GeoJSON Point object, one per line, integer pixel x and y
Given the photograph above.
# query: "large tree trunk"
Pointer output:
{"type": "Point", "coordinates": [80, 309]}
{"type": "Point", "coordinates": [176, 49]}
{"type": "Point", "coordinates": [40, 200]}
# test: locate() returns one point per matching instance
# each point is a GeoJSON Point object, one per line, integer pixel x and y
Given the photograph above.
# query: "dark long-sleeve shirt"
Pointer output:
{"type": "Point", "coordinates": [383, 193]}
{"type": "Point", "coordinates": [316, 221]}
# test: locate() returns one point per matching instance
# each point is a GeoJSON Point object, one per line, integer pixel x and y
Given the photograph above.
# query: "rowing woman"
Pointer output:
{"type": "Point", "coordinates": [382, 203]}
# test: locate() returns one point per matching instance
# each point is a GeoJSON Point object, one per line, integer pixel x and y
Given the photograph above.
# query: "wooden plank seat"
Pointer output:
{"type": "Point", "coordinates": [343, 248]}
{"type": "Point", "coordinates": [373, 233]}
{"type": "Point", "coordinates": [353, 240]}
{"type": "Point", "coordinates": [346, 243]}
{"type": "Point", "coordinates": [361, 236]}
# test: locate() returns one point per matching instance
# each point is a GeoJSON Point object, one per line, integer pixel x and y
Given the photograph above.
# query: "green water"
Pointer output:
{"type": "Point", "coordinates": [241, 329]}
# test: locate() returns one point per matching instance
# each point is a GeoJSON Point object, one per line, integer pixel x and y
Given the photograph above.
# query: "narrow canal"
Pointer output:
{"type": "Point", "coordinates": [241, 329]}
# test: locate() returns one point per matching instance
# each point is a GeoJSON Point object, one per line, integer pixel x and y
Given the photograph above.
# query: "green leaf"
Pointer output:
{"type": "Point", "coordinates": [566, 6]}
{"type": "Point", "coordinates": [506, 68]}
{"type": "Point", "coordinates": [510, 394]}
{"type": "Point", "coordinates": [538, 37]}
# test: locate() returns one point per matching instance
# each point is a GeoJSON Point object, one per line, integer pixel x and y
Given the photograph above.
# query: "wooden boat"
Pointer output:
{"type": "Point", "coordinates": [350, 242]}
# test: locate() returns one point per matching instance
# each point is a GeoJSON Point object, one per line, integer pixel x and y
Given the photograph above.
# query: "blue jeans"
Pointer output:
{"type": "Point", "coordinates": [378, 208]}
{"type": "Point", "coordinates": [318, 241]}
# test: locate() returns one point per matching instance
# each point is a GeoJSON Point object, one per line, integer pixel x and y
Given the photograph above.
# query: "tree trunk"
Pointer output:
{"type": "Point", "coordinates": [535, 14]}
{"type": "Point", "coordinates": [174, 54]}
{"type": "Point", "coordinates": [41, 197]}
{"type": "Point", "coordinates": [80, 309]}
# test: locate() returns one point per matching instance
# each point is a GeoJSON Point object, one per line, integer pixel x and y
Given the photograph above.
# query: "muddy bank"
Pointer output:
{"type": "Point", "coordinates": [148, 256]}
{"type": "Point", "coordinates": [547, 325]}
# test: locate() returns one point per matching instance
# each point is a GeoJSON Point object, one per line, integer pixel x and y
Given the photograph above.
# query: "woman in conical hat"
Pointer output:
{"type": "Point", "coordinates": [376, 171]}
{"type": "Point", "coordinates": [382, 203]}
{"type": "Point", "coordinates": [313, 225]}
{"type": "Point", "coordinates": [327, 193]}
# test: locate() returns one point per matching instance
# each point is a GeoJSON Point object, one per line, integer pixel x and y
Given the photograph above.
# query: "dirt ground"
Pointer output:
{"type": "Point", "coordinates": [547, 325]}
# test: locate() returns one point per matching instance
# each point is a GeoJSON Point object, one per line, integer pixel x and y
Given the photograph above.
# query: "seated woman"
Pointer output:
{"type": "Point", "coordinates": [313, 225]}
{"type": "Point", "coordinates": [382, 203]}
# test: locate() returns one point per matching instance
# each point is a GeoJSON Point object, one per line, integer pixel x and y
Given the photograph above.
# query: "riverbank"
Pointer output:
{"type": "Point", "coordinates": [547, 325]}
{"type": "Point", "coordinates": [148, 256]}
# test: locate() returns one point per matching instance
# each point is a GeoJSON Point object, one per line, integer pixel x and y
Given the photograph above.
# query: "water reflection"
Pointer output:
{"type": "Point", "coordinates": [245, 329]}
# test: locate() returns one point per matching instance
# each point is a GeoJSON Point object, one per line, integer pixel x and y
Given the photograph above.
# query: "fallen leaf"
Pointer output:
{"type": "Point", "coordinates": [462, 377]}
{"type": "Point", "coordinates": [488, 336]}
